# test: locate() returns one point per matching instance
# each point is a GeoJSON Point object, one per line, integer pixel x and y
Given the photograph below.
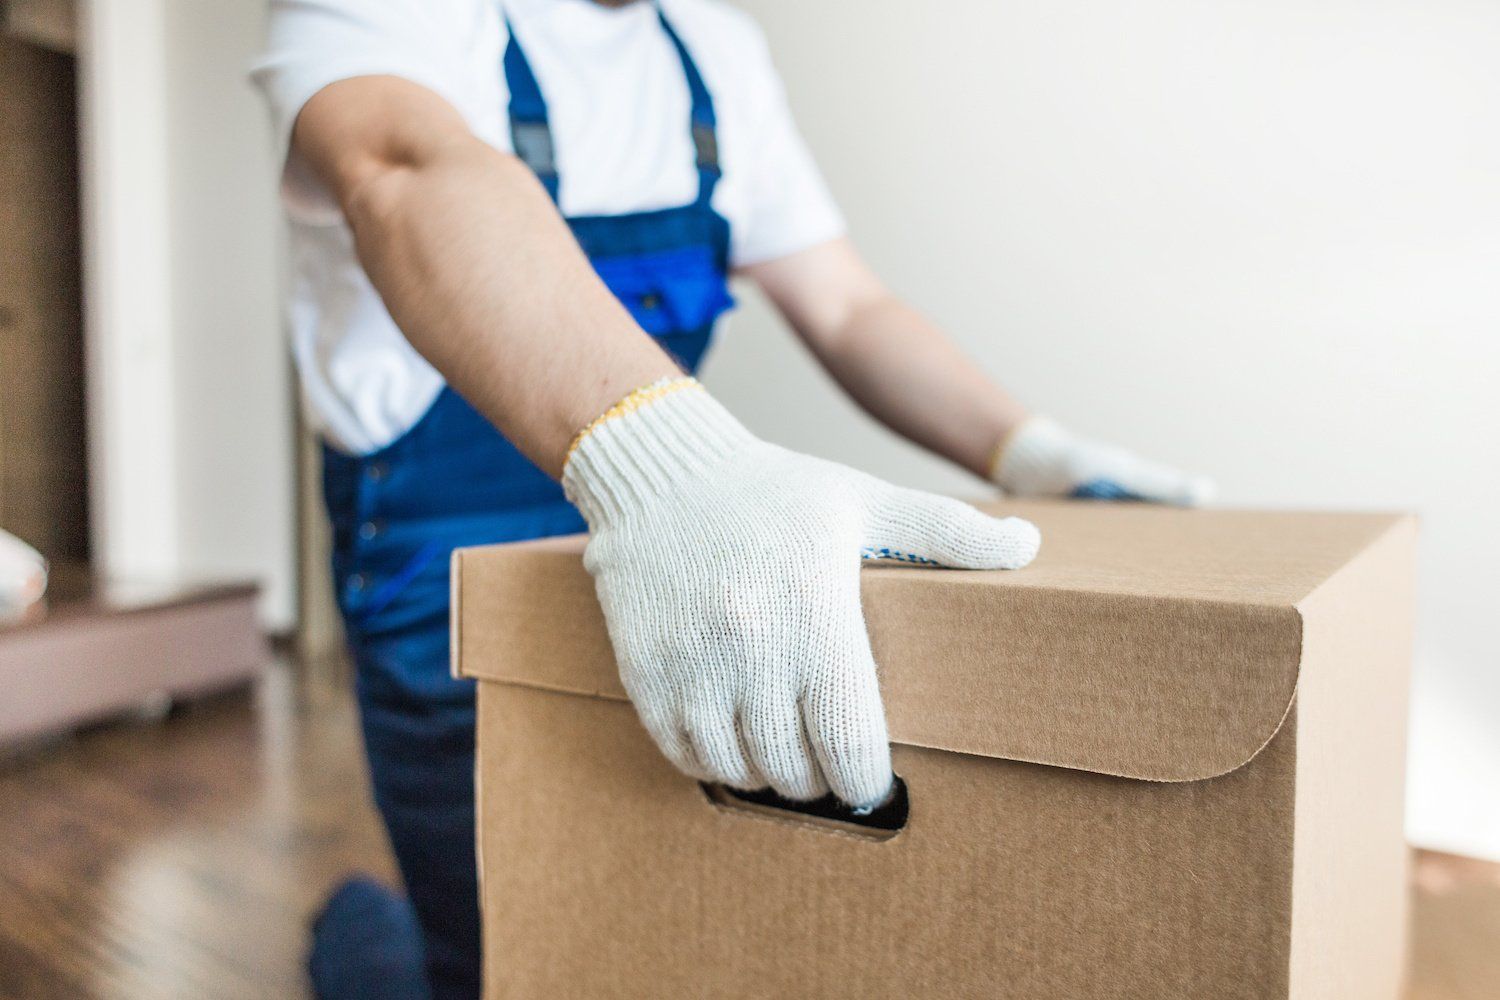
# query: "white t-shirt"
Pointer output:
{"type": "Point", "coordinates": [618, 104]}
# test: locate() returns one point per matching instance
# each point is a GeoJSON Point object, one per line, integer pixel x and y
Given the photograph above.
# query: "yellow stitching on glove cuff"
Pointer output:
{"type": "Point", "coordinates": [992, 467]}
{"type": "Point", "coordinates": [633, 401]}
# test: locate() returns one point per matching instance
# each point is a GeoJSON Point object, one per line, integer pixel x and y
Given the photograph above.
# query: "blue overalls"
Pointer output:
{"type": "Point", "coordinates": [451, 481]}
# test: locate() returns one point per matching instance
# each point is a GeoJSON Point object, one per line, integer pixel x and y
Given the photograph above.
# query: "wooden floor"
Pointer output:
{"type": "Point", "coordinates": [182, 857]}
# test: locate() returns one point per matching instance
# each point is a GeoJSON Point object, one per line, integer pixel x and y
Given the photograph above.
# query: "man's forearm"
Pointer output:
{"type": "Point", "coordinates": [898, 366]}
{"type": "Point", "coordinates": [482, 275]}
{"type": "Point", "coordinates": [914, 379]}
{"type": "Point", "coordinates": [692, 518]}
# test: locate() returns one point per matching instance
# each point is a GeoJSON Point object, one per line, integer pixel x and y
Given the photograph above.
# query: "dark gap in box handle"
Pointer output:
{"type": "Point", "coordinates": [880, 823]}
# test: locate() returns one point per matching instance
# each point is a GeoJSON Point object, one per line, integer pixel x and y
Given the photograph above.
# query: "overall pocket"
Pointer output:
{"type": "Point", "coordinates": [671, 292]}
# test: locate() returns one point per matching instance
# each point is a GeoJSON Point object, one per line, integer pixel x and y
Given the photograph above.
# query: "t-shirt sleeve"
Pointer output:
{"type": "Point", "coordinates": [313, 43]}
{"type": "Point", "coordinates": [790, 206]}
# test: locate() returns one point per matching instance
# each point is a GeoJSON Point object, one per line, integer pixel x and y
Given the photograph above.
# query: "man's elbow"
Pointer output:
{"type": "Point", "coordinates": [370, 188]}
{"type": "Point", "coordinates": [849, 317]}
{"type": "Point", "coordinates": [372, 185]}
{"type": "Point", "coordinates": [367, 139]}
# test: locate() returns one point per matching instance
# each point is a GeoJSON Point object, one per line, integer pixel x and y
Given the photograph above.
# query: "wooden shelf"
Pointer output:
{"type": "Point", "coordinates": [96, 649]}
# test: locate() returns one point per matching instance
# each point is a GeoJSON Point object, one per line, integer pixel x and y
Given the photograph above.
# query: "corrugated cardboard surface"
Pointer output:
{"type": "Point", "coordinates": [1350, 871]}
{"type": "Point", "coordinates": [609, 875]}
{"type": "Point", "coordinates": [1143, 642]}
{"type": "Point", "coordinates": [1156, 644]}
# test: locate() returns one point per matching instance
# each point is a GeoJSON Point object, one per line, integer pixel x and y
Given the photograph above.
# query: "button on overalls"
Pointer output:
{"type": "Point", "coordinates": [451, 481]}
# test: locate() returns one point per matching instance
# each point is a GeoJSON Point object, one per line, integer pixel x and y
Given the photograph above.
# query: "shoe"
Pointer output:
{"type": "Point", "coordinates": [366, 945]}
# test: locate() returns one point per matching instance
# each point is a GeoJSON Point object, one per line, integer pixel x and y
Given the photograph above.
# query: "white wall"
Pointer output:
{"type": "Point", "coordinates": [235, 443]}
{"type": "Point", "coordinates": [190, 409]}
{"type": "Point", "coordinates": [1260, 239]}
{"type": "Point", "coordinates": [127, 291]}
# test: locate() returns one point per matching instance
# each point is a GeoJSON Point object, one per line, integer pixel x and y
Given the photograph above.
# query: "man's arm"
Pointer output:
{"type": "Point", "coordinates": [909, 375]}
{"type": "Point", "coordinates": [474, 263]}
{"type": "Point", "coordinates": [894, 362]}
{"type": "Point", "coordinates": [710, 550]}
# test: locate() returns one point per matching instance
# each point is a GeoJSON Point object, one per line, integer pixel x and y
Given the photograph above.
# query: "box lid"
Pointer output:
{"type": "Point", "coordinates": [1143, 642]}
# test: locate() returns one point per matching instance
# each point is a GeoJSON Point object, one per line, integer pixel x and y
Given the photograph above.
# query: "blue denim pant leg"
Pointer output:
{"type": "Point", "coordinates": [397, 515]}
{"type": "Point", "coordinates": [418, 728]}
{"type": "Point", "coordinates": [422, 770]}
{"type": "Point", "coordinates": [421, 755]}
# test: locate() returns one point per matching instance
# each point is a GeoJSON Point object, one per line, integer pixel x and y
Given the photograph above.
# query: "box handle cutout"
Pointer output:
{"type": "Point", "coordinates": [881, 823]}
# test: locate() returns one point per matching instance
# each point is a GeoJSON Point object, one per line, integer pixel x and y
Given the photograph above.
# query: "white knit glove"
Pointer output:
{"type": "Point", "coordinates": [728, 571]}
{"type": "Point", "coordinates": [1041, 458]}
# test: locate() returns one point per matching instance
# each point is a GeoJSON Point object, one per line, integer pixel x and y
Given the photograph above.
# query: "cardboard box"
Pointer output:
{"type": "Point", "coordinates": [1164, 761]}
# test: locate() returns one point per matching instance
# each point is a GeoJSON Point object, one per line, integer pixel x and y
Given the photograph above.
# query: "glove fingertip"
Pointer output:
{"type": "Point", "coordinates": [863, 788]}
{"type": "Point", "coordinates": [1015, 542]}
{"type": "Point", "coordinates": [847, 731]}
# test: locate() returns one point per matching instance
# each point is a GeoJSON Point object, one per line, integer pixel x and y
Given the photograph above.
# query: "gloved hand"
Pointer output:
{"type": "Point", "coordinates": [728, 571]}
{"type": "Point", "coordinates": [1041, 458]}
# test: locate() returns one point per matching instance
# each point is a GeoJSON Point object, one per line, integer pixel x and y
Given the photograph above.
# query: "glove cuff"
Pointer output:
{"type": "Point", "coordinates": [1027, 461]}
{"type": "Point", "coordinates": [647, 446]}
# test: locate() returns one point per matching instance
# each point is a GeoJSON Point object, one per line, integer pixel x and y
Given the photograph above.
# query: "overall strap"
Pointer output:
{"type": "Point", "coordinates": [705, 138]}
{"type": "Point", "coordinates": [530, 133]}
